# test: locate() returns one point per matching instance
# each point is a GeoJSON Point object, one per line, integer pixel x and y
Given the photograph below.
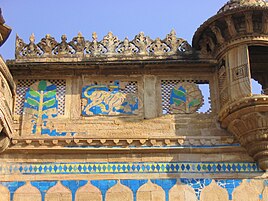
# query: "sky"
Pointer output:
{"type": "Point", "coordinates": [124, 18]}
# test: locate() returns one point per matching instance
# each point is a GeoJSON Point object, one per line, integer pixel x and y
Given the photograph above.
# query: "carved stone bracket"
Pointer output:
{"type": "Point", "coordinates": [247, 119]}
{"type": "Point", "coordinates": [109, 46]}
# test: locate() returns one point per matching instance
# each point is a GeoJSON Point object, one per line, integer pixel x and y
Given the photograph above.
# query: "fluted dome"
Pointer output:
{"type": "Point", "coordinates": [232, 4]}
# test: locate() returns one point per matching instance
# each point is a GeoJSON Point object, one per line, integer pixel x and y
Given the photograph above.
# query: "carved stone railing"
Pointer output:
{"type": "Point", "coordinates": [109, 46]}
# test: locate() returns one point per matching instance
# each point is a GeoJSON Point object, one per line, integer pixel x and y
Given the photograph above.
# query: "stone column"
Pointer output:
{"type": "Point", "coordinates": [150, 99]}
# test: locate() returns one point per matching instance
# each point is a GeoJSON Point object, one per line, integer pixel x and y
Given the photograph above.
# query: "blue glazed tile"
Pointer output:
{"type": "Point", "coordinates": [229, 185]}
{"type": "Point", "coordinates": [73, 185]}
{"type": "Point", "coordinates": [13, 186]}
{"type": "Point", "coordinates": [43, 186]}
{"type": "Point", "coordinates": [104, 186]}
{"type": "Point", "coordinates": [166, 184]}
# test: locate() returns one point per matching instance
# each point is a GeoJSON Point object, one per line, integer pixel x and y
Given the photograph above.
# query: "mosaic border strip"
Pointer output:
{"type": "Point", "coordinates": [127, 168]}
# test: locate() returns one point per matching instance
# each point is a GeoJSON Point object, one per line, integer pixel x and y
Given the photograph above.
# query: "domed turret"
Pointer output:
{"type": "Point", "coordinates": [237, 36]}
{"type": "Point", "coordinates": [233, 4]}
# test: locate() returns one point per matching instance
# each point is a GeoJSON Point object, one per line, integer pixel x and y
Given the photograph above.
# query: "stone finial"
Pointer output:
{"type": "Point", "coordinates": [94, 48]}
{"type": "Point", "coordinates": [126, 47]}
{"type": "Point", "coordinates": [19, 46]}
{"type": "Point", "coordinates": [172, 41]}
{"type": "Point", "coordinates": [47, 44]}
{"type": "Point", "coordinates": [110, 42]}
{"type": "Point", "coordinates": [142, 42]}
{"type": "Point", "coordinates": [27, 50]}
{"type": "Point", "coordinates": [63, 48]}
{"type": "Point", "coordinates": [78, 43]}
{"type": "Point", "coordinates": [158, 47]}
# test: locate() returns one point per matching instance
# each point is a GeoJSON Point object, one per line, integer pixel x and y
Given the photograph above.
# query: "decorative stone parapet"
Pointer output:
{"type": "Point", "coordinates": [109, 46]}
{"type": "Point", "coordinates": [247, 119]}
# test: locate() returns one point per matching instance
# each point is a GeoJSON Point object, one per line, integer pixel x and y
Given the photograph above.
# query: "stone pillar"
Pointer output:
{"type": "Point", "coordinates": [150, 99]}
{"type": "Point", "coordinates": [238, 67]}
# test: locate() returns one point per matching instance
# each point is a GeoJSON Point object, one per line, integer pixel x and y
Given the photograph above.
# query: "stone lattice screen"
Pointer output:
{"type": "Point", "coordinates": [23, 85]}
{"type": "Point", "coordinates": [131, 87]}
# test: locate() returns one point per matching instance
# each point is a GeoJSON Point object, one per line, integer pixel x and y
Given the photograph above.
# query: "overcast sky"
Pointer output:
{"type": "Point", "coordinates": [124, 18]}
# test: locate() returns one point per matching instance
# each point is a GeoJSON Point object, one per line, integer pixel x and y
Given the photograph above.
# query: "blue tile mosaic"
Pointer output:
{"type": "Point", "coordinates": [104, 186]}
{"type": "Point", "coordinates": [166, 184]}
{"type": "Point", "coordinates": [109, 99]}
{"type": "Point", "coordinates": [197, 184]}
{"type": "Point", "coordinates": [43, 186]}
{"type": "Point", "coordinates": [40, 105]}
{"type": "Point", "coordinates": [133, 184]}
{"type": "Point", "coordinates": [229, 185]}
{"type": "Point", "coordinates": [73, 186]}
{"type": "Point", "coordinates": [127, 168]}
{"type": "Point", "coordinates": [12, 187]}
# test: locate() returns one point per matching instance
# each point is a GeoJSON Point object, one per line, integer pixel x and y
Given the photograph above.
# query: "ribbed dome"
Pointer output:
{"type": "Point", "coordinates": [232, 4]}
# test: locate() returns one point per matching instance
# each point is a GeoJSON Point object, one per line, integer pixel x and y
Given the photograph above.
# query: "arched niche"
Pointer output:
{"type": "Point", "coordinates": [58, 193]}
{"type": "Point", "coordinates": [88, 192]}
{"type": "Point", "coordinates": [119, 192]}
{"type": "Point", "coordinates": [245, 192]}
{"type": "Point", "coordinates": [27, 192]}
{"type": "Point", "coordinates": [4, 193]}
{"type": "Point", "coordinates": [214, 192]}
{"type": "Point", "coordinates": [181, 192]}
{"type": "Point", "coordinates": [150, 192]}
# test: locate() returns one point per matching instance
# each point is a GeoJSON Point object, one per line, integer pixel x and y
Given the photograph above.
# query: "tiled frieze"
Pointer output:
{"type": "Point", "coordinates": [140, 189]}
{"type": "Point", "coordinates": [128, 168]}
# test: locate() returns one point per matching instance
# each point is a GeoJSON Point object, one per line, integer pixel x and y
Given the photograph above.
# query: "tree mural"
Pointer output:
{"type": "Point", "coordinates": [40, 105]}
{"type": "Point", "coordinates": [185, 97]}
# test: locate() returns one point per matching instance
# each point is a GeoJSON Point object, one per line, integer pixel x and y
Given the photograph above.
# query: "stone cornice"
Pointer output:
{"type": "Point", "coordinates": [114, 67]}
{"type": "Point", "coordinates": [178, 144]}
